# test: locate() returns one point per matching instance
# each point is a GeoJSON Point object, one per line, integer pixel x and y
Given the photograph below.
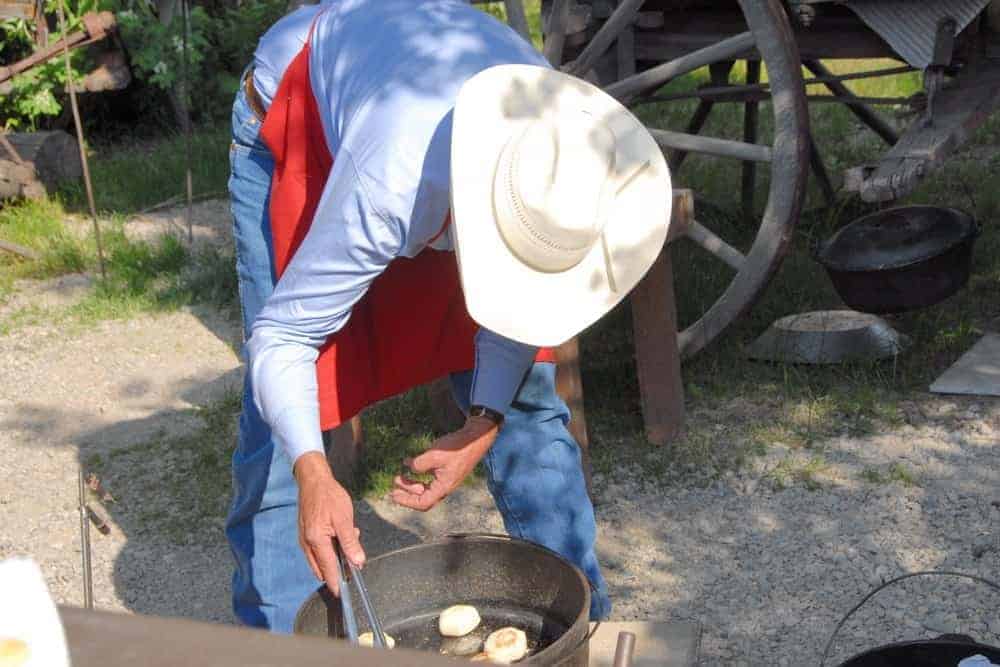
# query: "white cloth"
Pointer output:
{"type": "Point", "coordinates": [977, 661]}
{"type": "Point", "coordinates": [28, 616]}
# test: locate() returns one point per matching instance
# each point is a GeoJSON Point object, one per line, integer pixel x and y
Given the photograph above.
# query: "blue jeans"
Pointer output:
{"type": "Point", "coordinates": [533, 468]}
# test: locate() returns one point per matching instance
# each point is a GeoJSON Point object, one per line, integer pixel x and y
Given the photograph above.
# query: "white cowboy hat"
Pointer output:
{"type": "Point", "coordinates": [560, 202]}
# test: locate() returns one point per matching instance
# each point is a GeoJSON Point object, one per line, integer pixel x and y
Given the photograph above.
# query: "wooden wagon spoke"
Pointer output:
{"type": "Point", "coordinates": [728, 49]}
{"type": "Point", "coordinates": [714, 244]}
{"type": "Point", "coordinates": [517, 19]}
{"type": "Point", "coordinates": [857, 107]}
{"type": "Point", "coordinates": [750, 117]}
{"type": "Point", "coordinates": [620, 20]}
{"type": "Point", "coordinates": [694, 127]}
{"type": "Point", "coordinates": [711, 146]}
{"type": "Point", "coordinates": [555, 31]}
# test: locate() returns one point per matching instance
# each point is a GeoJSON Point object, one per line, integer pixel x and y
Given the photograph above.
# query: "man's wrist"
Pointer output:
{"type": "Point", "coordinates": [311, 466]}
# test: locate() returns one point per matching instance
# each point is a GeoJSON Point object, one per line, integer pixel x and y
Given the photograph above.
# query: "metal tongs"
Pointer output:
{"type": "Point", "coordinates": [347, 604]}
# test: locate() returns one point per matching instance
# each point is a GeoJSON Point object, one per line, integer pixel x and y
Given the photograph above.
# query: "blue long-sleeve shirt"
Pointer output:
{"type": "Point", "coordinates": [385, 74]}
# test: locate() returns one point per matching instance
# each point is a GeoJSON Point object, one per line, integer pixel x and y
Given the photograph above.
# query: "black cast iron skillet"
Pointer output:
{"type": "Point", "coordinates": [510, 581]}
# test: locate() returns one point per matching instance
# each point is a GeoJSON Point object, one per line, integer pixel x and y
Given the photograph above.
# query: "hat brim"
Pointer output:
{"type": "Point", "coordinates": [502, 293]}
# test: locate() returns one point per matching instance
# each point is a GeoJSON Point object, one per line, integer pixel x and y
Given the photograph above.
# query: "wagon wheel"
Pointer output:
{"type": "Point", "coordinates": [769, 38]}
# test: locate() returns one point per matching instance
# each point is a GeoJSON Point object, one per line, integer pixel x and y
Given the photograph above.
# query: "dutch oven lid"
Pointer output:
{"type": "Point", "coordinates": [895, 238]}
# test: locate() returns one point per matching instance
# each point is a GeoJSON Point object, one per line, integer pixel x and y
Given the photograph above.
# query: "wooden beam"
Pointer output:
{"type": "Point", "coordinates": [620, 20]}
{"type": "Point", "coordinates": [517, 19]}
{"type": "Point", "coordinates": [657, 355]}
{"type": "Point", "coordinates": [445, 413]}
{"type": "Point", "coordinates": [569, 386]}
{"type": "Point", "coordinates": [728, 49]}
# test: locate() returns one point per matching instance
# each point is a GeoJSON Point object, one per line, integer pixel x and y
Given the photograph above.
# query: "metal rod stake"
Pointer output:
{"type": "Point", "coordinates": [88, 581]}
{"type": "Point", "coordinates": [82, 145]}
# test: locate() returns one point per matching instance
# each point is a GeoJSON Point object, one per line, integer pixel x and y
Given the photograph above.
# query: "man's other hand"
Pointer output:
{"type": "Point", "coordinates": [450, 460]}
{"type": "Point", "coordinates": [325, 513]}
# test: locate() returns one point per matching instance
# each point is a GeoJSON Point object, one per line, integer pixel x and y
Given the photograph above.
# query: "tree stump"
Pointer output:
{"type": "Point", "coordinates": [55, 156]}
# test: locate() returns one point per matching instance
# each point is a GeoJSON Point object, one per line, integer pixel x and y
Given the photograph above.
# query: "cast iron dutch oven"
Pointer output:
{"type": "Point", "coordinates": [510, 582]}
{"type": "Point", "coordinates": [900, 259]}
{"type": "Point", "coordinates": [944, 651]}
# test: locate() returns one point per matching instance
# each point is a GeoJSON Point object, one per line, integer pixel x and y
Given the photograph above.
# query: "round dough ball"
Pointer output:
{"type": "Point", "coordinates": [13, 653]}
{"type": "Point", "coordinates": [458, 621]}
{"type": "Point", "coordinates": [506, 645]}
{"type": "Point", "coordinates": [368, 639]}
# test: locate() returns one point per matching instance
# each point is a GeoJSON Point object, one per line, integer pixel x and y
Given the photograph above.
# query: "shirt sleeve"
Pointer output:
{"type": "Point", "coordinates": [348, 245]}
{"type": "Point", "coordinates": [501, 365]}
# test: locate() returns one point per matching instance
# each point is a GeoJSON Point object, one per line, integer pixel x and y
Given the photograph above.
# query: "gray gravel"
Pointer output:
{"type": "Point", "coordinates": [767, 572]}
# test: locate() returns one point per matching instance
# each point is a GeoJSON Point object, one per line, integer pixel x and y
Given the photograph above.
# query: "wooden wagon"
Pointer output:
{"type": "Point", "coordinates": [634, 48]}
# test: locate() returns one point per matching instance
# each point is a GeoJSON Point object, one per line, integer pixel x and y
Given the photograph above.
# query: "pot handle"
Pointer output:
{"type": "Point", "coordinates": [848, 615]}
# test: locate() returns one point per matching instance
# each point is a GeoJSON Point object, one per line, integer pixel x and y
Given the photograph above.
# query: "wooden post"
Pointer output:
{"type": "Point", "coordinates": [654, 318]}
{"type": "Point", "coordinates": [569, 386]}
{"type": "Point", "coordinates": [445, 413]}
{"type": "Point", "coordinates": [345, 447]}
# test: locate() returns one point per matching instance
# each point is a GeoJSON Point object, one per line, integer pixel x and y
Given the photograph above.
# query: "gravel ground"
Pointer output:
{"type": "Point", "coordinates": [767, 571]}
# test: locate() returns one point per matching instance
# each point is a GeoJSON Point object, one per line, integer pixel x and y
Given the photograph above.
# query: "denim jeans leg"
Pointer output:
{"type": "Point", "coordinates": [535, 475]}
{"type": "Point", "coordinates": [271, 578]}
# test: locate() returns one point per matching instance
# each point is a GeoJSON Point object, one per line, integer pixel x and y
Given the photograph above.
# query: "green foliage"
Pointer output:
{"type": "Point", "coordinates": [239, 30]}
{"type": "Point", "coordinates": [38, 92]}
{"type": "Point", "coordinates": [156, 50]}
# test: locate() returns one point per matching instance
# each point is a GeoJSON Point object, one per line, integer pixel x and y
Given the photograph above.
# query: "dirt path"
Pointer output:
{"type": "Point", "coordinates": [768, 571]}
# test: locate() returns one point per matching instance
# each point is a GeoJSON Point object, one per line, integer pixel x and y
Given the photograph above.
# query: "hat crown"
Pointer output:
{"type": "Point", "coordinates": [552, 188]}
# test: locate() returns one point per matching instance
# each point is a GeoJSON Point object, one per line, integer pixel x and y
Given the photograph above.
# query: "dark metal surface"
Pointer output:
{"type": "Point", "coordinates": [900, 259]}
{"type": "Point", "coordinates": [911, 27]}
{"type": "Point", "coordinates": [509, 581]}
{"type": "Point", "coordinates": [896, 237]}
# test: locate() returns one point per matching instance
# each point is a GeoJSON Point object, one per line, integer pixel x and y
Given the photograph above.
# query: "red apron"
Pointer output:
{"type": "Point", "coordinates": [412, 325]}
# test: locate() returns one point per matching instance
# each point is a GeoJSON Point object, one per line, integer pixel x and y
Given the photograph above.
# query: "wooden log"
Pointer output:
{"type": "Point", "coordinates": [19, 180]}
{"type": "Point", "coordinates": [54, 154]}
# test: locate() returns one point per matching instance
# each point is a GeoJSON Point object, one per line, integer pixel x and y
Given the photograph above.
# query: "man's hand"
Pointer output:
{"type": "Point", "coordinates": [325, 513]}
{"type": "Point", "coordinates": [450, 460]}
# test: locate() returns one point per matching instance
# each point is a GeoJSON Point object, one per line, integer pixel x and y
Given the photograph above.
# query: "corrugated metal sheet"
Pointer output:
{"type": "Point", "coordinates": [909, 27]}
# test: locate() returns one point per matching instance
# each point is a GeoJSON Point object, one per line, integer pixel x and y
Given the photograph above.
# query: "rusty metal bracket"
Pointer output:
{"type": "Point", "coordinates": [96, 26]}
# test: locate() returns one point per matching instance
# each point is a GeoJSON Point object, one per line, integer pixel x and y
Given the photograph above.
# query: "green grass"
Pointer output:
{"type": "Point", "coordinates": [896, 473]}
{"type": "Point", "coordinates": [141, 276]}
{"type": "Point", "coordinates": [131, 176]}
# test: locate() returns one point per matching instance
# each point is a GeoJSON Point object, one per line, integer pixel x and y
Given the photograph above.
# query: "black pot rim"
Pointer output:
{"type": "Point", "coordinates": [973, 646]}
{"type": "Point", "coordinates": [565, 644]}
{"type": "Point", "coordinates": [969, 236]}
